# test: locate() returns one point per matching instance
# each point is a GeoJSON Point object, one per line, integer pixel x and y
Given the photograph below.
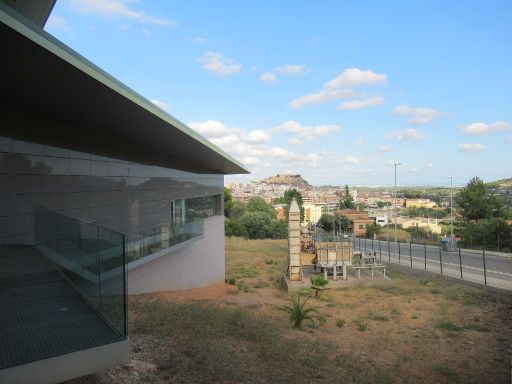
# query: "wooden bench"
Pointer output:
{"type": "Point", "coordinates": [371, 267]}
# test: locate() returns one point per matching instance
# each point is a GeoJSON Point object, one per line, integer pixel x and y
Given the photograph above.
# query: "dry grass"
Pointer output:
{"type": "Point", "coordinates": [417, 331]}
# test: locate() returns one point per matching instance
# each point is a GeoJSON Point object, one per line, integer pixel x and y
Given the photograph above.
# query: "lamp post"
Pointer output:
{"type": "Point", "coordinates": [451, 212]}
{"type": "Point", "coordinates": [396, 242]}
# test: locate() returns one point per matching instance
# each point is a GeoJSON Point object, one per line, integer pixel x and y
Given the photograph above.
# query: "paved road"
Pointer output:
{"type": "Point", "coordinates": [498, 268]}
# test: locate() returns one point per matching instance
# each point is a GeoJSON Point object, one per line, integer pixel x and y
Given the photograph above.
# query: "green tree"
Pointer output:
{"type": "Point", "coordinates": [237, 210]}
{"type": "Point", "coordinates": [279, 229]}
{"type": "Point", "coordinates": [373, 229]}
{"type": "Point", "coordinates": [347, 202]}
{"type": "Point", "coordinates": [382, 204]}
{"type": "Point", "coordinates": [326, 222]}
{"type": "Point", "coordinates": [476, 203]}
{"type": "Point", "coordinates": [258, 204]}
{"type": "Point", "coordinates": [228, 201]}
{"type": "Point", "coordinates": [288, 197]}
{"type": "Point", "coordinates": [257, 224]}
{"type": "Point", "coordinates": [233, 227]}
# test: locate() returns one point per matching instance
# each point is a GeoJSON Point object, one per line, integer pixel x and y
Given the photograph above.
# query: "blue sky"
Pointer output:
{"type": "Point", "coordinates": [335, 91]}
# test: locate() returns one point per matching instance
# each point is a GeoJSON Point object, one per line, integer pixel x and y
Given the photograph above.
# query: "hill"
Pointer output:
{"type": "Point", "coordinates": [292, 180]}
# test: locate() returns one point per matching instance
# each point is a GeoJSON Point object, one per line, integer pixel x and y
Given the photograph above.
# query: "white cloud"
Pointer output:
{"type": "Point", "coordinates": [409, 134]}
{"type": "Point", "coordinates": [306, 132]}
{"type": "Point", "coordinates": [385, 148]}
{"type": "Point", "coordinates": [341, 87]}
{"type": "Point", "coordinates": [483, 129]}
{"type": "Point", "coordinates": [430, 165]}
{"type": "Point", "coordinates": [267, 76]}
{"type": "Point", "coordinates": [288, 70]}
{"type": "Point", "coordinates": [352, 159]}
{"type": "Point", "coordinates": [199, 40]}
{"type": "Point", "coordinates": [291, 69]}
{"type": "Point", "coordinates": [353, 77]}
{"type": "Point", "coordinates": [359, 140]}
{"type": "Point", "coordinates": [118, 9]}
{"type": "Point", "coordinates": [361, 103]}
{"type": "Point", "coordinates": [216, 63]}
{"type": "Point", "coordinates": [212, 129]}
{"type": "Point", "coordinates": [56, 22]}
{"type": "Point", "coordinates": [418, 116]}
{"type": "Point", "coordinates": [161, 104]}
{"type": "Point", "coordinates": [470, 147]}
{"type": "Point", "coordinates": [258, 136]}
{"type": "Point", "coordinates": [321, 97]}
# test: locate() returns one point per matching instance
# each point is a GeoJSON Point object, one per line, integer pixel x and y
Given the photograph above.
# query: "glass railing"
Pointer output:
{"type": "Point", "coordinates": [139, 245]}
{"type": "Point", "coordinates": [91, 258]}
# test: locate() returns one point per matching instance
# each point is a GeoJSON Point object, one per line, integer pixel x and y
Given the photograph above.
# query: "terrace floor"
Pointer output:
{"type": "Point", "coordinates": [41, 315]}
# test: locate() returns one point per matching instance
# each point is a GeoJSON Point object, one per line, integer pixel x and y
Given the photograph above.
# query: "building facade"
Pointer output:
{"type": "Point", "coordinates": [101, 194]}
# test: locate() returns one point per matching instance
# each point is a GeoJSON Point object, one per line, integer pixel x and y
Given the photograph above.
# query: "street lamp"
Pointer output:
{"type": "Point", "coordinates": [396, 164]}
{"type": "Point", "coordinates": [451, 212]}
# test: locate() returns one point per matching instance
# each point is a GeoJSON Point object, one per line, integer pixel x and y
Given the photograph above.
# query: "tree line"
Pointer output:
{"type": "Point", "coordinates": [257, 219]}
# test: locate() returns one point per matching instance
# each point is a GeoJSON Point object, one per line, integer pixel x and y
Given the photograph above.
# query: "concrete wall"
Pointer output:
{"type": "Point", "coordinates": [69, 365]}
{"type": "Point", "coordinates": [198, 264]}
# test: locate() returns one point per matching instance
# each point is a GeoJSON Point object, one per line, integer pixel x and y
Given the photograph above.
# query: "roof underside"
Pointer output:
{"type": "Point", "coordinates": [51, 94]}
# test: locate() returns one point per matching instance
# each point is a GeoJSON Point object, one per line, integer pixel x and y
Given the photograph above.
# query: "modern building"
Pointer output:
{"type": "Point", "coordinates": [312, 213]}
{"type": "Point", "coordinates": [101, 194]}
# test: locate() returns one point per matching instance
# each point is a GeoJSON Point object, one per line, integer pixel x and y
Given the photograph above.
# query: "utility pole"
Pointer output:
{"type": "Point", "coordinates": [396, 164]}
{"type": "Point", "coordinates": [451, 212]}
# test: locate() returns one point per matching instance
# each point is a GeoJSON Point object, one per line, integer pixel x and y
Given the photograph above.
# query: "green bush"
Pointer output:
{"type": "Point", "coordinates": [298, 313]}
{"type": "Point", "coordinates": [361, 325]}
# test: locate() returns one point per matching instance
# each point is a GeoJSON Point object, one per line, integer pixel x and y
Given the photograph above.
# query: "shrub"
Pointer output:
{"type": "Point", "coordinates": [340, 322]}
{"type": "Point", "coordinates": [298, 313]}
{"type": "Point", "coordinates": [231, 281]}
{"type": "Point", "coordinates": [318, 283]}
{"type": "Point", "coordinates": [361, 325]}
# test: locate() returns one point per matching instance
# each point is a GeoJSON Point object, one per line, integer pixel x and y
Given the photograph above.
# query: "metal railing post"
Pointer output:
{"type": "Point", "coordinates": [389, 253]}
{"type": "Point", "coordinates": [99, 265]}
{"type": "Point", "coordinates": [399, 256]}
{"type": "Point", "coordinates": [359, 243]}
{"type": "Point", "coordinates": [460, 263]}
{"type": "Point", "coordinates": [380, 251]}
{"type": "Point", "coordinates": [365, 247]}
{"type": "Point", "coordinates": [485, 270]}
{"type": "Point", "coordinates": [440, 260]}
{"type": "Point", "coordinates": [410, 252]}
{"type": "Point", "coordinates": [425, 248]}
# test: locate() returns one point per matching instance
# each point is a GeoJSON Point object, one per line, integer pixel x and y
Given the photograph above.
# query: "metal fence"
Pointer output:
{"type": "Point", "coordinates": [471, 265]}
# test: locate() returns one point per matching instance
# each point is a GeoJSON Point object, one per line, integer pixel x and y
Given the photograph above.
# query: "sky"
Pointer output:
{"type": "Point", "coordinates": [336, 91]}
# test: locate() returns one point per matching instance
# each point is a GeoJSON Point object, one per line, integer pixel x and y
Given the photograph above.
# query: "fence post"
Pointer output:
{"type": "Point", "coordinates": [410, 252]}
{"type": "Point", "coordinates": [380, 251]}
{"type": "Point", "coordinates": [365, 243]}
{"type": "Point", "coordinates": [372, 244]}
{"type": "Point", "coordinates": [485, 270]}
{"type": "Point", "coordinates": [440, 259]}
{"type": "Point", "coordinates": [359, 243]}
{"type": "Point", "coordinates": [460, 263]}
{"type": "Point", "coordinates": [399, 253]}
{"type": "Point", "coordinates": [425, 248]}
{"type": "Point", "coordinates": [389, 253]}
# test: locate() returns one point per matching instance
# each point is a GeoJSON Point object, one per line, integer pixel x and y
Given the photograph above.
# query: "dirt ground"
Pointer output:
{"type": "Point", "coordinates": [403, 330]}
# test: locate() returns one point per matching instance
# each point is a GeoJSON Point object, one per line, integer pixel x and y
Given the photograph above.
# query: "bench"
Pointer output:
{"type": "Point", "coordinates": [371, 267]}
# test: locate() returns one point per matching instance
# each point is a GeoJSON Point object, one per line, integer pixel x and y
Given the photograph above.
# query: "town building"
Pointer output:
{"type": "Point", "coordinates": [359, 221]}
{"type": "Point", "coordinates": [101, 194]}
{"type": "Point", "coordinates": [419, 203]}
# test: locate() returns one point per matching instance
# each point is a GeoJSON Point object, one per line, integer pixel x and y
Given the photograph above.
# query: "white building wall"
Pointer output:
{"type": "Point", "coordinates": [198, 264]}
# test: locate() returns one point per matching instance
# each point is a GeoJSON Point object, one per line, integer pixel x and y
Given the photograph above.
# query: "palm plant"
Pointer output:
{"type": "Point", "coordinates": [298, 313]}
{"type": "Point", "coordinates": [318, 284]}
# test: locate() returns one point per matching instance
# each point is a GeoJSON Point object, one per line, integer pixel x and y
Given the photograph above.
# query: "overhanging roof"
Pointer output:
{"type": "Point", "coordinates": [60, 97]}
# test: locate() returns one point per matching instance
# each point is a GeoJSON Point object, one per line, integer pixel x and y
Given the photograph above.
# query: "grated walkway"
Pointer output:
{"type": "Point", "coordinates": [41, 315]}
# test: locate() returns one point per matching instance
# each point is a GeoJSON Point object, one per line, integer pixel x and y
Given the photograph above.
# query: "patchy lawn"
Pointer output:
{"type": "Point", "coordinates": [410, 331]}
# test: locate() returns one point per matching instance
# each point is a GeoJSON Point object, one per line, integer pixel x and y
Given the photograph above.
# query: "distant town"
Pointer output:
{"type": "Point", "coordinates": [425, 209]}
